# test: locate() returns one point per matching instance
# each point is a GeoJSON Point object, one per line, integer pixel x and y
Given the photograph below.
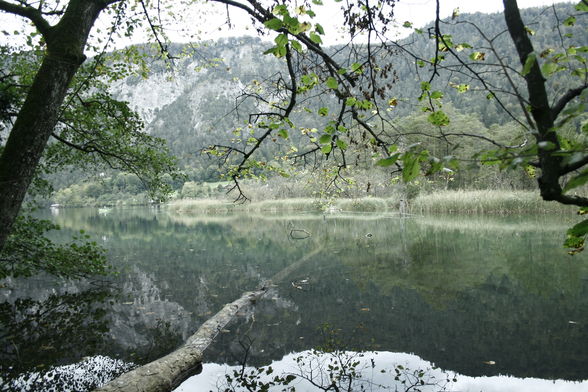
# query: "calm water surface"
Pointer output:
{"type": "Point", "coordinates": [479, 296]}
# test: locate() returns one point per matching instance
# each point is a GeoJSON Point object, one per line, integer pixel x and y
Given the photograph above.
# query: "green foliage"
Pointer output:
{"type": "Point", "coordinates": [577, 181]}
{"type": "Point", "coordinates": [29, 251]}
{"type": "Point", "coordinates": [576, 237]}
{"type": "Point", "coordinates": [331, 83]}
{"type": "Point", "coordinates": [439, 118]}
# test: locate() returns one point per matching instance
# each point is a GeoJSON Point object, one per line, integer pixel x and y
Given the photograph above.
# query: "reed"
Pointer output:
{"type": "Point", "coordinates": [211, 206]}
{"type": "Point", "coordinates": [485, 202]}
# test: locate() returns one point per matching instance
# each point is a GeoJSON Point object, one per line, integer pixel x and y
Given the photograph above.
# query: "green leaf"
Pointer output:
{"type": "Point", "coordinates": [323, 111]}
{"type": "Point", "coordinates": [580, 229]}
{"type": "Point", "coordinates": [576, 237]}
{"type": "Point", "coordinates": [549, 68]}
{"type": "Point", "coordinates": [365, 104]}
{"type": "Point", "coordinates": [570, 21]}
{"type": "Point", "coordinates": [462, 46]}
{"type": "Point", "coordinates": [280, 9]}
{"type": "Point", "coordinates": [529, 62]}
{"type": "Point", "coordinates": [388, 161]}
{"type": "Point", "coordinates": [319, 29]}
{"type": "Point", "coordinates": [283, 133]}
{"type": "Point", "coordinates": [436, 95]}
{"type": "Point", "coordinates": [314, 37]}
{"type": "Point", "coordinates": [325, 139]}
{"type": "Point", "coordinates": [280, 51]}
{"type": "Point", "coordinates": [582, 7]}
{"type": "Point", "coordinates": [341, 144]}
{"type": "Point", "coordinates": [273, 24]}
{"type": "Point", "coordinates": [356, 67]}
{"type": "Point", "coordinates": [331, 83]}
{"type": "Point", "coordinates": [438, 118]}
{"type": "Point", "coordinates": [281, 39]}
{"type": "Point", "coordinates": [326, 148]}
{"type": "Point", "coordinates": [296, 45]}
{"type": "Point", "coordinates": [425, 86]}
{"type": "Point", "coordinates": [350, 101]}
{"type": "Point", "coordinates": [478, 56]}
{"type": "Point", "coordinates": [462, 88]}
{"type": "Point", "coordinates": [411, 168]}
{"type": "Point", "coordinates": [292, 24]}
{"type": "Point", "coordinates": [577, 181]}
{"type": "Point", "coordinates": [271, 51]}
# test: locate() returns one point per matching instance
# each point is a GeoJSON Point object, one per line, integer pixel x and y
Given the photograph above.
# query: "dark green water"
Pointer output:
{"type": "Point", "coordinates": [456, 291]}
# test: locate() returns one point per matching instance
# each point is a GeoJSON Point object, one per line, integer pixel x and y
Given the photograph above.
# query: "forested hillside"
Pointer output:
{"type": "Point", "coordinates": [203, 97]}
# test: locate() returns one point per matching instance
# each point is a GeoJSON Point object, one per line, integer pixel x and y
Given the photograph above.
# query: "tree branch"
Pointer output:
{"type": "Point", "coordinates": [565, 99]}
{"type": "Point", "coordinates": [577, 164]}
{"type": "Point", "coordinates": [32, 14]}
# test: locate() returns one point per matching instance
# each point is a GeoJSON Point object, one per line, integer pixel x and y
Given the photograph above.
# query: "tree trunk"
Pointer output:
{"type": "Point", "coordinates": [39, 114]}
{"type": "Point", "coordinates": [547, 140]}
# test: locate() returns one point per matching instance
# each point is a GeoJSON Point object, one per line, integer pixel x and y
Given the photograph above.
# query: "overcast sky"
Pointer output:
{"type": "Point", "coordinates": [423, 11]}
{"type": "Point", "coordinates": [419, 12]}
{"type": "Point", "coordinates": [202, 23]}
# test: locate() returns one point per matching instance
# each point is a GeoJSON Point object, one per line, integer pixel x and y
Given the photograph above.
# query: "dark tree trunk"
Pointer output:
{"type": "Point", "coordinates": [39, 113]}
{"type": "Point", "coordinates": [541, 112]}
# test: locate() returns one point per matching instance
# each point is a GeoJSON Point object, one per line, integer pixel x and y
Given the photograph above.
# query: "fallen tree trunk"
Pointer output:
{"type": "Point", "coordinates": [167, 373]}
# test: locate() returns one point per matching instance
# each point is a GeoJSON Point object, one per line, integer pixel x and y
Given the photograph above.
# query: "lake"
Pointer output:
{"type": "Point", "coordinates": [476, 296]}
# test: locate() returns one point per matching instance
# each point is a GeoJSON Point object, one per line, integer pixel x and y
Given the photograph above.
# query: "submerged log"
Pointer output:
{"type": "Point", "coordinates": [167, 373]}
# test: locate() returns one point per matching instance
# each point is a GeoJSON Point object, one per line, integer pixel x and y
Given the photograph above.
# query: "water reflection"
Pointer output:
{"type": "Point", "coordinates": [459, 292]}
{"type": "Point", "coordinates": [372, 371]}
{"type": "Point", "coordinates": [55, 329]}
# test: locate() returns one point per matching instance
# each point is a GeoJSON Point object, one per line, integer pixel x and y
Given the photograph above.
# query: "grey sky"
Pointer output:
{"type": "Point", "coordinates": [205, 21]}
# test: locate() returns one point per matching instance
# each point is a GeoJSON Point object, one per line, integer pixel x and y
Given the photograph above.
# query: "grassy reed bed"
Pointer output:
{"type": "Point", "coordinates": [211, 206]}
{"type": "Point", "coordinates": [485, 202]}
{"type": "Point", "coordinates": [208, 206]}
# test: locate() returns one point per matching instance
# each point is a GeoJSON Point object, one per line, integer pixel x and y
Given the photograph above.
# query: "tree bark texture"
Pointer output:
{"type": "Point", "coordinates": [39, 114]}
